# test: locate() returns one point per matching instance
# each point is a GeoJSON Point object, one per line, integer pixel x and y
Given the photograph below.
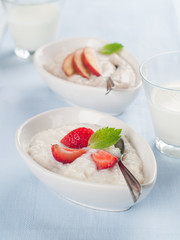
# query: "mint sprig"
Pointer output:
{"type": "Point", "coordinates": [104, 138]}
{"type": "Point", "coordinates": [111, 48]}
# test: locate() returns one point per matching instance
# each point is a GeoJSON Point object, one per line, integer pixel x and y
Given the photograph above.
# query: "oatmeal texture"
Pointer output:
{"type": "Point", "coordinates": [83, 168]}
{"type": "Point", "coordinates": [114, 66]}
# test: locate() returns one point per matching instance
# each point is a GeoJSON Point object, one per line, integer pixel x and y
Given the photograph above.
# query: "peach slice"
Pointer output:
{"type": "Point", "coordinates": [79, 65]}
{"type": "Point", "coordinates": [90, 61]}
{"type": "Point", "coordinates": [68, 66]}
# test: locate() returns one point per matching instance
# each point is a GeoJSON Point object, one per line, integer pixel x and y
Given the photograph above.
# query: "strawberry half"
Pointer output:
{"type": "Point", "coordinates": [104, 159]}
{"type": "Point", "coordinates": [77, 138]}
{"type": "Point", "coordinates": [66, 155]}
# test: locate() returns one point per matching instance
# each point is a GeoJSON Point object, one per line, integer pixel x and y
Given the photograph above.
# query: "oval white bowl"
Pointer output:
{"type": "Point", "coordinates": [98, 196]}
{"type": "Point", "coordinates": [81, 95]}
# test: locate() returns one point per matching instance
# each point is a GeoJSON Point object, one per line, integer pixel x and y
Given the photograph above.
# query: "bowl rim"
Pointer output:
{"type": "Point", "coordinates": [151, 58]}
{"type": "Point", "coordinates": [45, 72]}
{"type": "Point", "coordinates": [46, 171]}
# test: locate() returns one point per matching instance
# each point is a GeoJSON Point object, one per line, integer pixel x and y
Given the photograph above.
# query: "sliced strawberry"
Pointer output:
{"type": "Point", "coordinates": [90, 61]}
{"type": "Point", "coordinates": [77, 138]}
{"type": "Point", "coordinates": [79, 65]}
{"type": "Point", "coordinates": [104, 159]}
{"type": "Point", "coordinates": [66, 155]}
{"type": "Point", "coordinates": [68, 66]}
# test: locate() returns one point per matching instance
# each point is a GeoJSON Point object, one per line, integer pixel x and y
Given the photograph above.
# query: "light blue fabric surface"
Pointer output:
{"type": "Point", "coordinates": [28, 209]}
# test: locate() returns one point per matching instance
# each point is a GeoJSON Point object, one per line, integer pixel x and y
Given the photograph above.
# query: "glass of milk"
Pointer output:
{"type": "Point", "coordinates": [32, 23]}
{"type": "Point", "coordinates": [161, 80]}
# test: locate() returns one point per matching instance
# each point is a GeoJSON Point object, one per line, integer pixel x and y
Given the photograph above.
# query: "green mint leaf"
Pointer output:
{"type": "Point", "coordinates": [111, 48]}
{"type": "Point", "coordinates": [104, 138]}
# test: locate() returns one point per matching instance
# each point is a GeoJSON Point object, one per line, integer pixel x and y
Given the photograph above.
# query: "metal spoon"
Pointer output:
{"type": "Point", "coordinates": [109, 86]}
{"type": "Point", "coordinates": [133, 184]}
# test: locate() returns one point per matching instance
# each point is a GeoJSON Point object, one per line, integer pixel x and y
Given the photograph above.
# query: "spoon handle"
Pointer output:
{"type": "Point", "coordinates": [133, 184]}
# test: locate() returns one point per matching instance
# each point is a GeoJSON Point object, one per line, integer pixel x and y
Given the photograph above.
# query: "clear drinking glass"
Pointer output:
{"type": "Point", "coordinates": [32, 23]}
{"type": "Point", "coordinates": [161, 81]}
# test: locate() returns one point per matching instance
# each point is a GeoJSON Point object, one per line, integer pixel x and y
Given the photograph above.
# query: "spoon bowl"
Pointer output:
{"type": "Point", "coordinates": [110, 85]}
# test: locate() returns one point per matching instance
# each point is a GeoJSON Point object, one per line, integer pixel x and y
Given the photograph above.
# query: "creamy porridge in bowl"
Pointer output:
{"type": "Point", "coordinates": [61, 66]}
{"type": "Point", "coordinates": [85, 180]}
{"type": "Point", "coordinates": [83, 168]}
{"type": "Point", "coordinates": [112, 66]}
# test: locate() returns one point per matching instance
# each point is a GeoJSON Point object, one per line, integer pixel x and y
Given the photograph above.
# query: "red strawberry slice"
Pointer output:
{"type": "Point", "coordinates": [90, 61]}
{"type": "Point", "coordinates": [104, 159]}
{"type": "Point", "coordinates": [66, 155]}
{"type": "Point", "coordinates": [77, 138]}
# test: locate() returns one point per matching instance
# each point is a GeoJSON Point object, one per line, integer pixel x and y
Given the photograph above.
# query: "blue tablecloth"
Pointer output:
{"type": "Point", "coordinates": [28, 209]}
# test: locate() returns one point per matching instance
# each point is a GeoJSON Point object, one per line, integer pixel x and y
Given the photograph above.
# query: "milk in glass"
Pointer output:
{"type": "Point", "coordinates": [34, 25]}
{"type": "Point", "coordinates": [165, 109]}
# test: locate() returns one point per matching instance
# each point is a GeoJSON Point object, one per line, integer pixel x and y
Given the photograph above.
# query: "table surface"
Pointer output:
{"type": "Point", "coordinates": [28, 209]}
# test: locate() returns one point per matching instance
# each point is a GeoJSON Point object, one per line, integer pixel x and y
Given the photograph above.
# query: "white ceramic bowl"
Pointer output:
{"type": "Point", "coordinates": [81, 95]}
{"type": "Point", "coordinates": [98, 196]}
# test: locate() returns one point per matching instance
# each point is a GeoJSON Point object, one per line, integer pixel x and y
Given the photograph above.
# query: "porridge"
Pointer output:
{"type": "Point", "coordinates": [103, 67]}
{"type": "Point", "coordinates": [83, 168]}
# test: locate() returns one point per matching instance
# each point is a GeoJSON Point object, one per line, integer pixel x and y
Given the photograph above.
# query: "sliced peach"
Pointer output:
{"type": "Point", "coordinates": [68, 66]}
{"type": "Point", "coordinates": [90, 61]}
{"type": "Point", "coordinates": [79, 65]}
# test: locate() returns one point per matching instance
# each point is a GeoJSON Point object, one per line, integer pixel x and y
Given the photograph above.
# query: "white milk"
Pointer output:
{"type": "Point", "coordinates": [165, 109]}
{"type": "Point", "coordinates": [34, 25]}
